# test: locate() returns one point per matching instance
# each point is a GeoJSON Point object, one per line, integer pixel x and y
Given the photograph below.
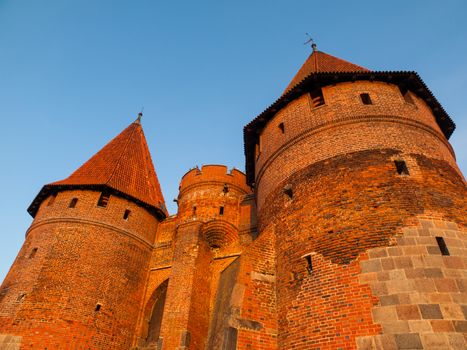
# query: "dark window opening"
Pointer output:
{"type": "Point", "coordinates": [442, 246]}
{"type": "Point", "coordinates": [226, 188]}
{"type": "Point", "coordinates": [401, 167]}
{"type": "Point", "coordinates": [221, 211]}
{"type": "Point", "coordinates": [33, 253]}
{"type": "Point", "coordinates": [366, 99]}
{"type": "Point", "coordinates": [407, 95]}
{"type": "Point", "coordinates": [282, 127]}
{"type": "Point", "coordinates": [309, 265]}
{"type": "Point", "coordinates": [194, 210]}
{"type": "Point", "coordinates": [288, 191]}
{"type": "Point", "coordinates": [126, 214]}
{"type": "Point", "coordinates": [317, 98]}
{"type": "Point", "coordinates": [73, 203]}
{"type": "Point", "coordinates": [98, 307]}
{"type": "Point", "coordinates": [52, 199]}
{"type": "Point", "coordinates": [103, 200]}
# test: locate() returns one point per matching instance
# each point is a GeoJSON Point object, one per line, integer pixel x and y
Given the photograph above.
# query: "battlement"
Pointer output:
{"type": "Point", "coordinates": [213, 173]}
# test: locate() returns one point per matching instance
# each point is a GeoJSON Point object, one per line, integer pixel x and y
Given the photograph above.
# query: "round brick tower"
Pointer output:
{"type": "Point", "coordinates": [354, 174]}
{"type": "Point", "coordinates": [78, 280]}
{"type": "Point", "coordinates": [211, 195]}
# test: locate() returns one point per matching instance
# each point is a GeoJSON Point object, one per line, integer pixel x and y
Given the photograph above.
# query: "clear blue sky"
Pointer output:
{"type": "Point", "coordinates": [73, 74]}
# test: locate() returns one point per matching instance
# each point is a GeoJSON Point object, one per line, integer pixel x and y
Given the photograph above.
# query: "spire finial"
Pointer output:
{"type": "Point", "coordinates": [313, 44]}
{"type": "Point", "coordinates": [140, 115]}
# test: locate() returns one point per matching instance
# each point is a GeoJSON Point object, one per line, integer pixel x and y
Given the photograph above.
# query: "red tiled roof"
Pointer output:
{"type": "Point", "coordinates": [124, 165]}
{"type": "Point", "coordinates": [320, 62]}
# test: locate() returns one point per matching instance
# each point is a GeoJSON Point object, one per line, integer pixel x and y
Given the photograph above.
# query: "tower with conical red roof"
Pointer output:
{"type": "Point", "coordinates": [354, 174]}
{"type": "Point", "coordinates": [79, 279]}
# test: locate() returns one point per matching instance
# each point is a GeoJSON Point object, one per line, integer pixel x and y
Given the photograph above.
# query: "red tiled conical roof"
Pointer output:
{"type": "Point", "coordinates": [124, 165]}
{"type": "Point", "coordinates": [320, 62]}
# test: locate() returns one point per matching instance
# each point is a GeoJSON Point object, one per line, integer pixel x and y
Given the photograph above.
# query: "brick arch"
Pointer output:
{"type": "Point", "coordinates": [219, 233]}
{"type": "Point", "coordinates": [153, 313]}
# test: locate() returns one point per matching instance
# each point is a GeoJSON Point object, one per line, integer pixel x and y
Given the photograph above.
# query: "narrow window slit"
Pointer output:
{"type": "Point", "coordinates": [309, 264]}
{"type": "Point", "coordinates": [221, 210]}
{"type": "Point", "coordinates": [401, 167]}
{"type": "Point", "coordinates": [103, 200]}
{"type": "Point", "coordinates": [73, 203]}
{"type": "Point", "coordinates": [282, 127]}
{"type": "Point", "coordinates": [98, 307]}
{"type": "Point", "coordinates": [194, 211]}
{"type": "Point", "coordinates": [442, 246]}
{"type": "Point", "coordinates": [366, 99]}
{"type": "Point", "coordinates": [33, 253]}
{"type": "Point", "coordinates": [126, 214]}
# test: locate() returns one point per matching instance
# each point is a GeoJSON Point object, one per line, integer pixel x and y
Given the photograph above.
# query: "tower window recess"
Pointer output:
{"type": "Point", "coordinates": [194, 210]}
{"type": "Point", "coordinates": [442, 246]}
{"type": "Point", "coordinates": [221, 210]}
{"type": "Point", "coordinates": [281, 127]}
{"type": "Point", "coordinates": [52, 199]}
{"type": "Point", "coordinates": [407, 95]}
{"type": "Point", "coordinates": [126, 214]}
{"type": "Point", "coordinates": [33, 253]}
{"type": "Point", "coordinates": [73, 203]}
{"type": "Point", "coordinates": [20, 297]}
{"type": "Point", "coordinates": [317, 98]}
{"type": "Point", "coordinates": [366, 99]}
{"type": "Point", "coordinates": [309, 264]}
{"type": "Point", "coordinates": [288, 191]}
{"type": "Point", "coordinates": [401, 167]}
{"type": "Point", "coordinates": [98, 307]}
{"type": "Point", "coordinates": [103, 200]}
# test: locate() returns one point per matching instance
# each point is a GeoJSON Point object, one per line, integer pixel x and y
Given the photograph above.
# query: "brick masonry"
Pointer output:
{"type": "Point", "coordinates": [333, 248]}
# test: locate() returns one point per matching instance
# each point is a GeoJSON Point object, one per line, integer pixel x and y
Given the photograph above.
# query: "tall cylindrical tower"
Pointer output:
{"type": "Point", "coordinates": [78, 280]}
{"type": "Point", "coordinates": [354, 174]}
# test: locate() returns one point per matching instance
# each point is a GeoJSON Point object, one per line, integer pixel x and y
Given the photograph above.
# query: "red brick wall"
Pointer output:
{"type": "Point", "coordinates": [85, 255]}
{"type": "Point", "coordinates": [344, 124]}
{"type": "Point", "coordinates": [342, 207]}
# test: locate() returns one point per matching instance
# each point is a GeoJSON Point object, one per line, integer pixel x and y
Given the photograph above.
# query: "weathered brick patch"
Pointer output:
{"type": "Point", "coordinates": [9, 342]}
{"type": "Point", "coordinates": [422, 293]}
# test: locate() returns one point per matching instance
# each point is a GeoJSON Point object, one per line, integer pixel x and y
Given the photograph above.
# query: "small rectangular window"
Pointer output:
{"type": "Point", "coordinates": [442, 246]}
{"type": "Point", "coordinates": [126, 214]}
{"type": "Point", "coordinates": [73, 203]}
{"type": "Point", "coordinates": [103, 200]}
{"type": "Point", "coordinates": [407, 96]}
{"type": "Point", "coordinates": [366, 99]}
{"type": "Point", "coordinates": [317, 98]}
{"type": "Point", "coordinates": [52, 199]}
{"type": "Point", "coordinates": [401, 167]}
{"type": "Point", "coordinates": [221, 211]}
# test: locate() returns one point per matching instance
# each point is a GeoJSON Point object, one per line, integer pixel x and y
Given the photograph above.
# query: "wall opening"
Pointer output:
{"type": "Point", "coordinates": [103, 199]}
{"type": "Point", "coordinates": [155, 319]}
{"type": "Point", "coordinates": [73, 203]}
{"type": "Point", "coordinates": [52, 199]}
{"type": "Point", "coordinates": [288, 191]}
{"type": "Point", "coordinates": [401, 167]}
{"type": "Point", "coordinates": [126, 214]}
{"type": "Point", "coordinates": [309, 263]}
{"type": "Point", "coordinates": [281, 127]}
{"type": "Point", "coordinates": [366, 99]}
{"type": "Point", "coordinates": [407, 95]}
{"type": "Point", "coordinates": [442, 246]}
{"type": "Point", "coordinates": [98, 307]}
{"type": "Point", "coordinates": [221, 210]}
{"type": "Point", "coordinates": [33, 253]}
{"type": "Point", "coordinates": [317, 98]}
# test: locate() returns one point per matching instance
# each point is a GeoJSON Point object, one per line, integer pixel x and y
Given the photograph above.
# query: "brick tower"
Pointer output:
{"type": "Point", "coordinates": [354, 175]}
{"type": "Point", "coordinates": [78, 280]}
